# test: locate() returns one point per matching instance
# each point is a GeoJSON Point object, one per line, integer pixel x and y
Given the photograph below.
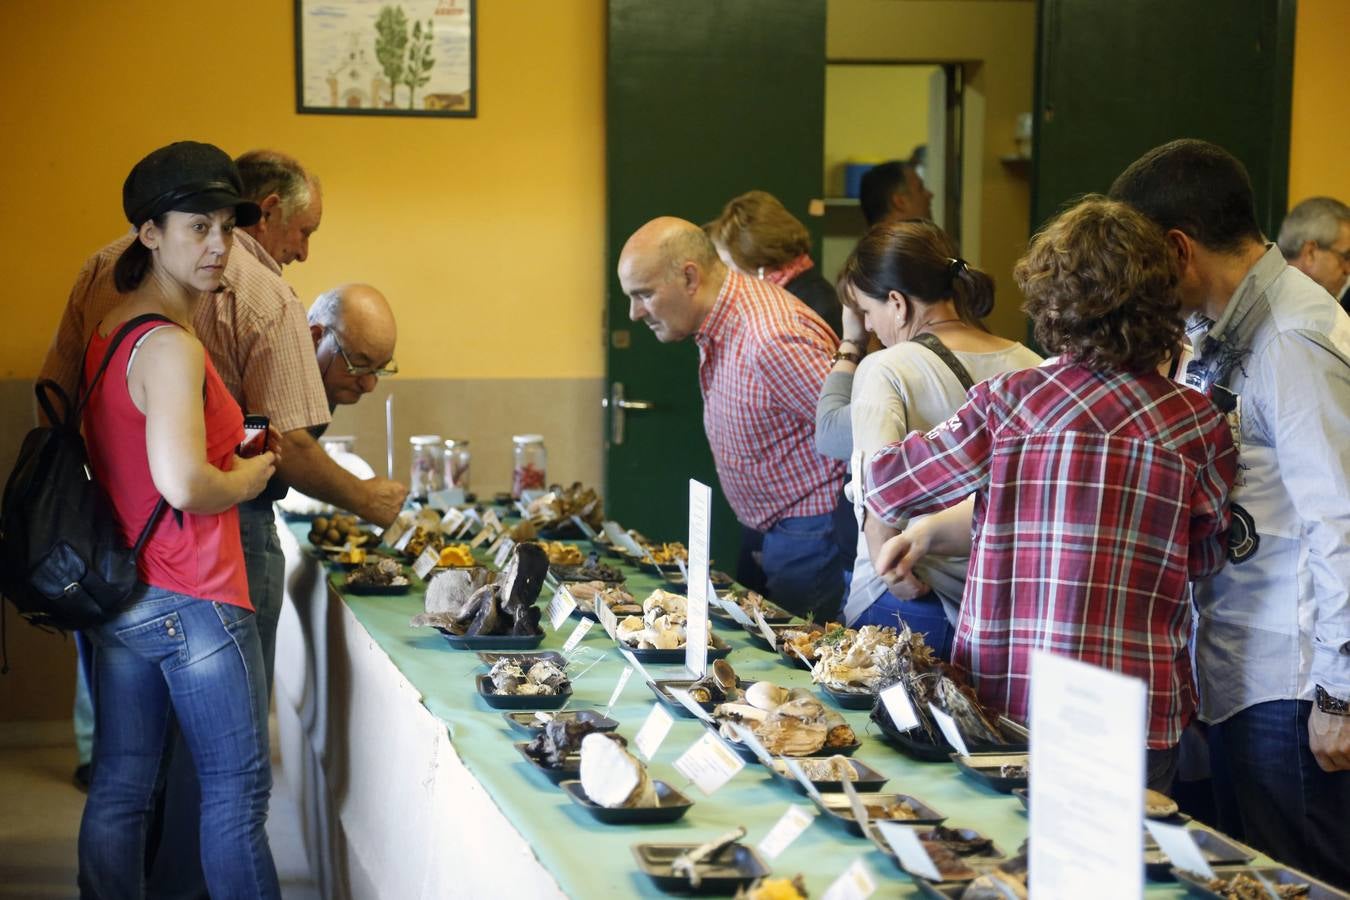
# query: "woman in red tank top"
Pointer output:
{"type": "Point", "coordinates": [161, 423]}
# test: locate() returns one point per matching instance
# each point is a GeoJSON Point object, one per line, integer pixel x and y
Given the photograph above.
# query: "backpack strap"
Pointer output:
{"type": "Point", "coordinates": [82, 396]}
{"type": "Point", "coordinates": [933, 343]}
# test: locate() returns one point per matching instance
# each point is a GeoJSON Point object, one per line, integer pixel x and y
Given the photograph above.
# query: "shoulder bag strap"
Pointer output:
{"type": "Point", "coordinates": [933, 343]}
{"type": "Point", "coordinates": [82, 396]}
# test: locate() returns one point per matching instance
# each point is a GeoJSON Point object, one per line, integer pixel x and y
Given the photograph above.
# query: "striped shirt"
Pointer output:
{"type": "Point", "coordinates": [255, 330]}
{"type": "Point", "coordinates": [1098, 496]}
{"type": "Point", "coordinates": [763, 356]}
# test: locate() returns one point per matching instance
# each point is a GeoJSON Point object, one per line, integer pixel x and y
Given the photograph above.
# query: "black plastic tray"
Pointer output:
{"type": "Point", "coordinates": [673, 805]}
{"type": "Point", "coordinates": [849, 699]}
{"type": "Point", "coordinates": [837, 809]}
{"type": "Point", "coordinates": [526, 723]}
{"type": "Point", "coordinates": [1276, 875]}
{"type": "Point", "coordinates": [720, 649]}
{"type": "Point", "coordinates": [1218, 850]}
{"type": "Point", "coordinates": [734, 866]}
{"type": "Point", "coordinates": [662, 689]}
{"type": "Point", "coordinates": [520, 701]}
{"type": "Point", "coordinates": [869, 780]}
{"type": "Point", "coordinates": [571, 767]}
{"type": "Point", "coordinates": [916, 745]}
{"type": "Point", "coordinates": [758, 639]}
{"type": "Point", "coordinates": [977, 863]}
{"type": "Point", "coordinates": [376, 590]}
{"type": "Point", "coordinates": [983, 767]}
{"type": "Point", "coordinates": [492, 641]}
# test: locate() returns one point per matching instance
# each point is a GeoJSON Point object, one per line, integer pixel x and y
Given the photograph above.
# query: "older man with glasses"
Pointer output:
{"type": "Point", "coordinates": [1315, 239]}
{"type": "Point", "coordinates": [354, 333]}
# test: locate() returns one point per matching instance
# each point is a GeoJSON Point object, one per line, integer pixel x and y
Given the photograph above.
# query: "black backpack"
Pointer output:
{"type": "Point", "coordinates": [62, 559]}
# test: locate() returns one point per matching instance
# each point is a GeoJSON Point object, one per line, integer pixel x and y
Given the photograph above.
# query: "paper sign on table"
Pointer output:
{"type": "Point", "coordinates": [577, 634]}
{"type": "Point", "coordinates": [426, 562]}
{"type": "Point", "coordinates": [633, 661]}
{"type": "Point", "coordinates": [856, 883]}
{"type": "Point", "coordinates": [446, 499]}
{"type": "Point", "coordinates": [529, 495]}
{"type": "Point", "coordinates": [560, 607]}
{"type": "Point", "coordinates": [788, 828]}
{"type": "Point", "coordinates": [482, 536]}
{"type": "Point", "coordinates": [452, 521]}
{"type": "Point", "coordinates": [1182, 851]}
{"type": "Point", "coordinates": [620, 538]}
{"type": "Point", "coordinates": [748, 738]}
{"type": "Point", "coordinates": [898, 705]}
{"type": "Point", "coordinates": [490, 520]}
{"type": "Point", "coordinates": [503, 552]}
{"type": "Point", "coordinates": [911, 852]}
{"type": "Point", "coordinates": [856, 804]}
{"type": "Point", "coordinates": [606, 617]}
{"type": "Point", "coordinates": [397, 528]}
{"type": "Point", "coordinates": [949, 729]}
{"type": "Point", "coordinates": [586, 529]}
{"type": "Point", "coordinates": [1087, 777]}
{"type": "Point", "coordinates": [653, 731]}
{"type": "Point", "coordinates": [765, 630]}
{"type": "Point", "coordinates": [806, 783]}
{"type": "Point", "coordinates": [696, 615]}
{"type": "Point", "coordinates": [689, 703]}
{"type": "Point", "coordinates": [709, 764]}
{"type": "Point", "coordinates": [618, 688]}
{"type": "Point", "coordinates": [404, 540]}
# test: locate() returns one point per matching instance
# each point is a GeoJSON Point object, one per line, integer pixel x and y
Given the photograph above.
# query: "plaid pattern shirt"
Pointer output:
{"type": "Point", "coordinates": [763, 357]}
{"type": "Point", "coordinates": [1098, 496]}
{"type": "Point", "coordinates": [255, 331]}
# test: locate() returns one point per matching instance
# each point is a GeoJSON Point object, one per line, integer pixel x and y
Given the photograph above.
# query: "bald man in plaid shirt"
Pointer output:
{"type": "Point", "coordinates": [763, 356]}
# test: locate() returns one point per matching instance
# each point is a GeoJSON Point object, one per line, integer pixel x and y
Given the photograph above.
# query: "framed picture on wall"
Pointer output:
{"type": "Point", "coordinates": [386, 57]}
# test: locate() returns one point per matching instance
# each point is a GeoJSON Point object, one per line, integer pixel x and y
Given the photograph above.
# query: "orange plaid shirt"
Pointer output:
{"type": "Point", "coordinates": [255, 330]}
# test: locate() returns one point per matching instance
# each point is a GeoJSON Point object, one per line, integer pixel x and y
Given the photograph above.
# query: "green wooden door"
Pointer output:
{"type": "Point", "coordinates": [706, 99]}
{"type": "Point", "coordinates": [1115, 79]}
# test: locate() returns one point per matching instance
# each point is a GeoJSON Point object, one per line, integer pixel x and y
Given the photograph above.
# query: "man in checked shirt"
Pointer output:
{"type": "Point", "coordinates": [763, 356]}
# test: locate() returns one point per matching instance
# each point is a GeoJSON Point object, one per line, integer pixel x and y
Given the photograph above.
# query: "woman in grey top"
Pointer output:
{"type": "Point", "coordinates": [905, 283]}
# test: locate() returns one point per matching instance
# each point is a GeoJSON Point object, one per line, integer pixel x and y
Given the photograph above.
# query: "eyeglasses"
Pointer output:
{"type": "Point", "coordinates": [389, 368]}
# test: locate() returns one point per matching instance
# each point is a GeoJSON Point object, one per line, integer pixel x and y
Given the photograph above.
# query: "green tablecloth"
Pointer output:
{"type": "Point", "coordinates": [589, 859]}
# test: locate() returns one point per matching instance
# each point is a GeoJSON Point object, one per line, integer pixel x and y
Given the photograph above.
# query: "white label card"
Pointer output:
{"type": "Point", "coordinates": [405, 539]}
{"type": "Point", "coordinates": [618, 688]}
{"type": "Point", "coordinates": [765, 630]}
{"type": "Point", "coordinates": [856, 804]}
{"type": "Point", "coordinates": [899, 707]}
{"type": "Point", "coordinates": [608, 620]}
{"type": "Point", "coordinates": [490, 520]}
{"type": "Point", "coordinates": [913, 857]}
{"type": "Point", "coordinates": [446, 499]}
{"type": "Point", "coordinates": [532, 494]}
{"type": "Point", "coordinates": [1180, 847]}
{"type": "Point", "coordinates": [653, 731]}
{"type": "Point", "coordinates": [585, 527]}
{"type": "Point", "coordinates": [788, 828]}
{"type": "Point", "coordinates": [561, 606]}
{"type": "Point", "coordinates": [452, 521]}
{"type": "Point", "coordinates": [709, 764]}
{"type": "Point", "coordinates": [503, 552]}
{"type": "Point", "coordinates": [732, 609]}
{"type": "Point", "coordinates": [397, 528]}
{"type": "Point", "coordinates": [426, 562]}
{"type": "Point", "coordinates": [1087, 777]}
{"type": "Point", "coordinates": [633, 661]}
{"type": "Point", "coordinates": [480, 538]}
{"type": "Point", "coordinates": [806, 783]}
{"type": "Point", "coordinates": [696, 624]}
{"type": "Point", "coordinates": [689, 703]}
{"type": "Point", "coordinates": [577, 634]}
{"type": "Point", "coordinates": [949, 729]}
{"type": "Point", "coordinates": [856, 883]}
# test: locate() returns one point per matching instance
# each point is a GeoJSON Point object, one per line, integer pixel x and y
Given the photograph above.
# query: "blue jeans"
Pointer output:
{"type": "Point", "coordinates": [265, 565]}
{"type": "Point", "coordinates": [1272, 794]}
{"type": "Point", "coordinates": [170, 657]}
{"type": "Point", "coordinates": [802, 566]}
{"type": "Point", "coordinates": [925, 615]}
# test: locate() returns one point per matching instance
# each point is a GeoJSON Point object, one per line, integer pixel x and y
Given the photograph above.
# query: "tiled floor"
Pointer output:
{"type": "Point", "coordinates": [40, 812]}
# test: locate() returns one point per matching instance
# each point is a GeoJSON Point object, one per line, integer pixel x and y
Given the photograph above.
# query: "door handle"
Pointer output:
{"type": "Point", "coordinates": [616, 404]}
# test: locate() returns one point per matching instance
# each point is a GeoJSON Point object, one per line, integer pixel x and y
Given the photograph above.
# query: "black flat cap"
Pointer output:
{"type": "Point", "coordinates": [188, 177]}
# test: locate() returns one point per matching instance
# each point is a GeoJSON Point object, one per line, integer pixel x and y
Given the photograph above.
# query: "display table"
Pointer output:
{"type": "Point", "coordinates": [408, 784]}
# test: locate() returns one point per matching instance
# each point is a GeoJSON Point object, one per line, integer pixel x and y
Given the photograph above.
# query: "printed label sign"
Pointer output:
{"type": "Point", "coordinates": [709, 764]}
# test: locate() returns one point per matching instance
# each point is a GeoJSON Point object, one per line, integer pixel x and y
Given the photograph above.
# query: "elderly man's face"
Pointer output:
{"type": "Point", "coordinates": [1328, 266]}
{"type": "Point", "coordinates": [287, 239]}
{"type": "Point", "coordinates": [348, 364]}
{"type": "Point", "coordinates": [660, 298]}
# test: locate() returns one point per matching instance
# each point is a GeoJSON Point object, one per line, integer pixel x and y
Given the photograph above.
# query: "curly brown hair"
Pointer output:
{"type": "Point", "coordinates": [758, 231]}
{"type": "Point", "coordinates": [1101, 287]}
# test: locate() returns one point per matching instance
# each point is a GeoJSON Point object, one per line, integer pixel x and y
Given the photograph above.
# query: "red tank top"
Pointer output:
{"type": "Point", "coordinates": [203, 557]}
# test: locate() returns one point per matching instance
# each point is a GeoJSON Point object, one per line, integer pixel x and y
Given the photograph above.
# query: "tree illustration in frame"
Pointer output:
{"type": "Point", "coordinates": [386, 57]}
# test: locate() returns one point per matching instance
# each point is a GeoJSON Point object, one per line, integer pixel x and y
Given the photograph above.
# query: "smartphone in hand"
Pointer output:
{"type": "Point", "coordinates": [255, 436]}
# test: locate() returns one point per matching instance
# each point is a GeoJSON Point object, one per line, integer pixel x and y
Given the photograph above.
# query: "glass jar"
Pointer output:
{"type": "Point", "coordinates": [428, 466]}
{"type": "Point", "coordinates": [457, 463]}
{"type": "Point", "coordinates": [333, 444]}
{"type": "Point", "coordinates": [529, 464]}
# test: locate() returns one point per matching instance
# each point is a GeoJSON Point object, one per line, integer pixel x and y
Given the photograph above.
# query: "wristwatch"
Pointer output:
{"type": "Point", "coordinates": [852, 356]}
{"type": "Point", "coordinates": [1329, 704]}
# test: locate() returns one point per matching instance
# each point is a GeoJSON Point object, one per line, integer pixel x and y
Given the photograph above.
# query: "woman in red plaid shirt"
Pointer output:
{"type": "Point", "coordinates": [1100, 486]}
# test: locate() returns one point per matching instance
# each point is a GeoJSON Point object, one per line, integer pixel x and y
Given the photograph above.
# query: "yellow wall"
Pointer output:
{"type": "Point", "coordinates": [487, 234]}
{"type": "Point", "coordinates": [995, 39]}
{"type": "Point", "coordinates": [1320, 131]}
{"type": "Point", "coordinates": [872, 114]}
